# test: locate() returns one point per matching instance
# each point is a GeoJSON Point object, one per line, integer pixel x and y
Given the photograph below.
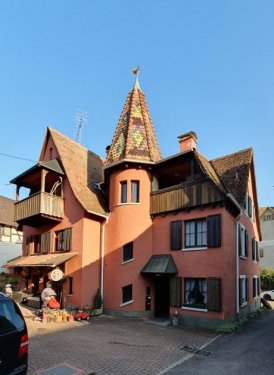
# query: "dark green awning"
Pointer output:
{"type": "Point", "coordinates": [162, 264]}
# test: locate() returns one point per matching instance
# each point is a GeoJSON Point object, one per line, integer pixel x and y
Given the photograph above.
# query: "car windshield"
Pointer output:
{"type": "Point", "coordinates": [10, 318]}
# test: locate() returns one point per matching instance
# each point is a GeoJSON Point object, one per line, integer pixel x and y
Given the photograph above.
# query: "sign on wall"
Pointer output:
{"type": "Point", "coordinates": [56, 275]}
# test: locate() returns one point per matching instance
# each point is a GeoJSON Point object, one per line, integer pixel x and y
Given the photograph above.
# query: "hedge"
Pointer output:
{"type": "Point", "coordinates": [267, 278]}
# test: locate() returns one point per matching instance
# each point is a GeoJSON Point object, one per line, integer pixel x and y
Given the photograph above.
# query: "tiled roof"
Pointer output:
{"type": "Point", "coordinates": [134, 138]}
{"type": "Point", "coordinates": [83, 169]}
{"type": "Point", "coordinates": [209, 170]}
{"type": "Point", "coordinates": [233, 171]}
{"type": "Point", "coordinates": [262, 210]}
{"type": "Point", "coordinates": [7, 211]}
{"type": "Point", "coordinates": [51, 260]}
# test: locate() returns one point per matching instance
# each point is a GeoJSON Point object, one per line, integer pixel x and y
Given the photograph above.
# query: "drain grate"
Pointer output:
{"type": "Point", "coordinates": [200, 352]}
{"type": "Point", "coordinates": [61, 369]}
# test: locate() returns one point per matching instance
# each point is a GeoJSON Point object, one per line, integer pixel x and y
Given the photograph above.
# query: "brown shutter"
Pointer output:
{"type": "Point", "coordinates": [67, 239]}
{"type": "Point", "coordinates": [176, 291]}
{"type": "Point", "coordinates": [214, 294]}
{"type": "Point", "coordinates": [28, 245]}
{"type": "Point", "coordinates": [46, 243]}
{"type": "Point", "coordinates": [257, 251]}
{"type": "Point", "coordinates": [176, 235]}
{"type": "Point", "coordinates": [250, 206]}
{"type": "Point", "coordinates": [214, 231]}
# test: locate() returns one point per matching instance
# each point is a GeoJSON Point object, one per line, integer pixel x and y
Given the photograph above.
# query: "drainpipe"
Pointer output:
{"type": "Point", "coordinates": [102, 250]}
{"type": "Point", "coordinates": [233, 200]}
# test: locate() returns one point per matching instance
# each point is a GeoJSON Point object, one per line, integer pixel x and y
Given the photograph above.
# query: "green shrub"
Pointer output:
{"type": "Point", "coordinates": [97, 301]}
{"type": "Point", "coordinates": [267, 278]}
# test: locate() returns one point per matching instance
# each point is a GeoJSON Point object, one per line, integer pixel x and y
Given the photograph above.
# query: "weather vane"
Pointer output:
{"type": "Point", "coordinates": [136, 70]}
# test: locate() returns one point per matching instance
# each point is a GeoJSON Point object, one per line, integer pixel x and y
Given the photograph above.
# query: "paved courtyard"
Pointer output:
{"type": "Point", "coordinates": [107, 345]}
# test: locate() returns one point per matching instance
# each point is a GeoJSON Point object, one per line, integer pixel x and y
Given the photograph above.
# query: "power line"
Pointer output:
{"type": "Point", "coordinates": [17, 157]}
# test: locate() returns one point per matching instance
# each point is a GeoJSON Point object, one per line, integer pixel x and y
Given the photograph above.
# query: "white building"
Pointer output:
{"type": "Point", "coordinates": [266, 246]}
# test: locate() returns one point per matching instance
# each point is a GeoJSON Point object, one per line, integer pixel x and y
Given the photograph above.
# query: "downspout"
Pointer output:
{"type": "Point", "coordinates": [233, 200]}
{"type": "Point", "coordinates": [102, 250]}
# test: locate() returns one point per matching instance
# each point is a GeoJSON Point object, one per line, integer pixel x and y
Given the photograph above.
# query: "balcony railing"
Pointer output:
{"type": "Point", "coordinates": [39, 204]}
{"type": "Point", "coordinates": [179, 197]}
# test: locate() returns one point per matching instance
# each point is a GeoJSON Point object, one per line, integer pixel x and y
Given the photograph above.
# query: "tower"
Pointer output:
{"type": "Point", "coordinates": [134, 149]}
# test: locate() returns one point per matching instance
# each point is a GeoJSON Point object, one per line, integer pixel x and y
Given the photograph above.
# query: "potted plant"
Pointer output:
{"type": "Point", "coordinates": [97, 303]}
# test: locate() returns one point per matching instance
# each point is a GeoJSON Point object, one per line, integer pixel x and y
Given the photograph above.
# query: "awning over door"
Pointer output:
{"type": "Point", "coordinates": [44, 260]}
{"type": "Point", "coordinates": [161, 264]}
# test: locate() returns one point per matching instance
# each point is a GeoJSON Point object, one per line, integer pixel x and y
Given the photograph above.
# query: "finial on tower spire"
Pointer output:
{"type": "Point", "coordinates": [136, 71]}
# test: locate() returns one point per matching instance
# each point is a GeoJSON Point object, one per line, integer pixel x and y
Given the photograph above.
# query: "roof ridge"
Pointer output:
{"type": "Point", "coordinates": [232, 154]}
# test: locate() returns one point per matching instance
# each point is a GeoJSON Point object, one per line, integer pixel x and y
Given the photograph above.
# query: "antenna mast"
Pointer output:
{"type": "Point", "coordinates": [81, 119]}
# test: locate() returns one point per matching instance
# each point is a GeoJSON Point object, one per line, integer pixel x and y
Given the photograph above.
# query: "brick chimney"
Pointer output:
{"type": "Point", "coordinates": [187, 141]}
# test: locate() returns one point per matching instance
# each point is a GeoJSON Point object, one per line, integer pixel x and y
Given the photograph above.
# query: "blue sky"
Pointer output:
{"type": "Point", "coordinates": [206, 66]}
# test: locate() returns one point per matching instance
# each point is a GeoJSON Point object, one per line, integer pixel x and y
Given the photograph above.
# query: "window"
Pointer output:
{"type": "Point", "coordinates": [268, 217]}
{"type": "Point", "coordinates": [242, 241]}
{"type": "Point", "coordinates": [243, 290]}
{"type": "Point", "coordinates": [70, 286]}
{"type": "Point", "coordinates": [63, 240]}
{"type": "Point", "coordinates": [128, 252]}
{"type": "Point", "coordinates": [256, 286]}
{"type": "Point", "coordinates": [36, 244]}
{"type": "Point", "coordinates": [135, 187]}
{"type": "Point", "coordinates": [195, 293]}
{"type": "Point", "coordinates": [248, 206]}
{"type": "Point", "coordinates": [255, 250]}
{"type": "Point", "coordinates": [123, 191]}
{"type": "Point", "coordinates": [176, 235]}
{"type": "Point", "coordinates": [127, 294]}
{"type": "Point", "coordinates": [195, 233]}
{"type": "Point", "coordinates": [261, 253]}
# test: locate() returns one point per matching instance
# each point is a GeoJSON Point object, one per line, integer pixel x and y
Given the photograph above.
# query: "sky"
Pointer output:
{"type": "Point", "coordinates": [205, 65]}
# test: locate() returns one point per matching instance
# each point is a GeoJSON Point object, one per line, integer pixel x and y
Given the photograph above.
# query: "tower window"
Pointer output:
{"type": "Point", "coordinates": [123, 191]}
{"type": "Point", "coordinates": [135, 187]}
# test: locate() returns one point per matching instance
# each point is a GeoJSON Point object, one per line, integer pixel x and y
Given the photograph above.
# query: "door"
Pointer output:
{"type": "Point", "coordinates": [162, 296]}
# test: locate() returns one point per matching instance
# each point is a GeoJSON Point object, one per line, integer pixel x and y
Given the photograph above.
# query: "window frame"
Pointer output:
{"type": "Point", "coordinates": [127, 294]}
{"type": "Point", "coordinates": [202, 233]}
{"type": "Point", "coordinates": [242, 241]}
{"type": "Point", "coordinates": [243, 290]}
{"type": "Point", "coordinates": [190, 288]}
{"type": "Point", "coordinates": [135, 195]}
{"type": "Point", "coordinates": [65, 240]}
{"type": "Point", "coordinates": [128, 247]}
{"type": "Point", "coordinates": [123, 195]}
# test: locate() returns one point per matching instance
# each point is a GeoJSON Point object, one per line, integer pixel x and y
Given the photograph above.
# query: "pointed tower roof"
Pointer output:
{"type": "Point", "coordinates": [134, 138]}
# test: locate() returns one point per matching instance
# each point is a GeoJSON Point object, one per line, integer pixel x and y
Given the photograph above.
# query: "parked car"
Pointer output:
{"type": "Point", "coordinates": [13, 338]}
{"type": "Point", "coordinates": [268, 295]}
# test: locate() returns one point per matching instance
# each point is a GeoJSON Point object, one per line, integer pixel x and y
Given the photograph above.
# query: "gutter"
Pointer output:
{"type": "Point", "coordinates": [233, 200]}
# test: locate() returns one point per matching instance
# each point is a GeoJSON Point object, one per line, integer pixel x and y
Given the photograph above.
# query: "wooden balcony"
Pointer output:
{"type": "Point", "coordinates": [181, 197]}
{"type": "Point", "coordinates": [39, 208]}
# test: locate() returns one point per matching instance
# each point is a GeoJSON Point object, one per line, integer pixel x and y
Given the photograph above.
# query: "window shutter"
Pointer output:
{"type": "Point", "coordinates": [249, 207]}
{"type": "Point", "coordinates": [176, 235]}
{"type": "Point", "coordinates": [45, 242]}
{"type": "Point", "coordinates": [257, 251]}
{"type": "Point", "coordinates": [214, 294]}
{"type": "Point", "coordinates": [253, 249]}
{"type": "Point", "coordinates": [246, 243]}
{"type": "Point", "coordinates": [214, 231]}
{"type": "Point", "coordinates": [67, 239]}
{"type": "Point", "coordinates": [176, 291]}
{"type": "Point", "coordinates": [239, 240]}
{"type": "Point", "coordinates": [246, 288]}
{"type": "Point", "coordinates": [28, 244]}
{"type": "Point", "coordinates": [240, 292]}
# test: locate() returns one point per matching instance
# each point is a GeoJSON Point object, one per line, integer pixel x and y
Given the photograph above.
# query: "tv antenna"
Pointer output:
{"type": "Point", "coordinates": [81, 119]}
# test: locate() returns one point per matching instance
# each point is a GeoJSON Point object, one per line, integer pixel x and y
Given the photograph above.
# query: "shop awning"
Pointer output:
{"type": "Point", "coordinates": [43, 260]}
{"type": "Point", "coordinates": [161, 264]}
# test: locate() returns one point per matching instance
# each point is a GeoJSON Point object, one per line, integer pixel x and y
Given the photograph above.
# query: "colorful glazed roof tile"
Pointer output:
{"type": "Point", "coordinates": [134, 138]}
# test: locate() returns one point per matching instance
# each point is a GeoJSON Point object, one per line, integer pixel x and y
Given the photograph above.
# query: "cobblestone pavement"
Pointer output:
{"type": "Point", "coordinates": [107, 345]}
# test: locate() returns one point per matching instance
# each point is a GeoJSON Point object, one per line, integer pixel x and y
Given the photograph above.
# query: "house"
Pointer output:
{"type": "Point", "coordinates": [10, 237]}
{"type": "Point", "coordinates": [266, 246]}
{"type": "Point", "coordinates": [157, 236]}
